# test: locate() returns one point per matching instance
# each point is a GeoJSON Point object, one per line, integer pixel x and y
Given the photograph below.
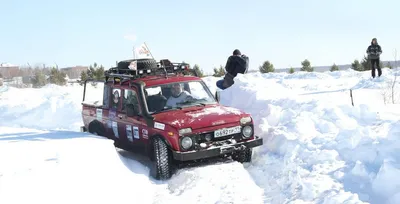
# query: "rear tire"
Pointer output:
{"type": "Point", "coordinates": [243, 156]}
{"type": "Point", "coordinates": [96, 128]}
{"type": "Point", "coordinates": [163, 160]}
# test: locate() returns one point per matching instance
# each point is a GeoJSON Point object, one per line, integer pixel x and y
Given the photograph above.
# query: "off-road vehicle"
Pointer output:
{"type": "Point", "coordinates": [166, 111]}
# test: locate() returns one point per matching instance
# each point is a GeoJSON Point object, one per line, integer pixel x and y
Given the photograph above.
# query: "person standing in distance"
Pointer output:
{"type": "Point", "coordinates": [374, 51]}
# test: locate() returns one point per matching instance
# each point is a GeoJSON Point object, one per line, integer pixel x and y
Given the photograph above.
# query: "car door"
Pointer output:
{"type": "Point", "coordinates": [113, 122]}
{"type": "Point", "coordinates": [135, 130]}
{"type": "Point", "coordinates": [102, 114]}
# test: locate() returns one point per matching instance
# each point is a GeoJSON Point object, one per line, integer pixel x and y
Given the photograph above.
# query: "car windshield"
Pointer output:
{"type": "Point", "coordinates": [177, 96]}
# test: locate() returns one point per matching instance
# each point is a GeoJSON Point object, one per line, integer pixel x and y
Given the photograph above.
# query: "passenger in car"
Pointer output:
{"type": "Point", "coordinates": [115, 100]}
{"type": "Point", "coordinates": [178, 95]}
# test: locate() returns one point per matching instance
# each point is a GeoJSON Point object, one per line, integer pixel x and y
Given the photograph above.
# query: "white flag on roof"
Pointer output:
{"type": "Point", "coordinates": [133, 65]}
{"type": "Point", "coordinates": [143, 52]}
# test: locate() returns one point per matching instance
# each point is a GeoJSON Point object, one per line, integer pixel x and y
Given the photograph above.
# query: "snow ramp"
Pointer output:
{"type": "Point", "coordinates": [318, 148]}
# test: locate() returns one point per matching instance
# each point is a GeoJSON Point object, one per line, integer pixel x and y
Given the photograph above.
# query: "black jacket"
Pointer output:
{"type": "Point", "coordinates": [237, 64]}
{"type": "Point", "coordinates": [374, 51]}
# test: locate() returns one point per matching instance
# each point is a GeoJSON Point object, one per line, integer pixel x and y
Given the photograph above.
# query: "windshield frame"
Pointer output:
{"type": "Point", "coordinates": [205, 87]}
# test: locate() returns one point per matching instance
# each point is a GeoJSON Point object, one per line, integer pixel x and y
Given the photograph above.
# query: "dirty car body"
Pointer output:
{"type": "Point", "coordinates": [167, 112]}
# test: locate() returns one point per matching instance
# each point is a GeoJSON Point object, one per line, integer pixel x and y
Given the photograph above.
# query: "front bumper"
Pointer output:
{"type": "Point", "coordinates": [216, 151]}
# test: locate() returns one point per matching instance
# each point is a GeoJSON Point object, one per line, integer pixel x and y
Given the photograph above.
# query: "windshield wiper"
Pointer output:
{"type": "Point", "coordinates": [168, 108]}
{"type": "Point", "coordinates": [186, 102]}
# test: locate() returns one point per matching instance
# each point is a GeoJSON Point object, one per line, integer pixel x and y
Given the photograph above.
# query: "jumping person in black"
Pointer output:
{"type": "Point", "coordinates": [236, 63]}
{"type": "Point", "coordinates": [374, 51]}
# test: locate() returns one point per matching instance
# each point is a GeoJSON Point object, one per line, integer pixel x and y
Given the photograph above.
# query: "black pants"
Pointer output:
{"type": "Point", "coordinates": [375, 65]}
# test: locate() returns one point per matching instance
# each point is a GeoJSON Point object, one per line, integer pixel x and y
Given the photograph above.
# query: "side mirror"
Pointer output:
{"type": "Point", "coordinates": [131, 110]}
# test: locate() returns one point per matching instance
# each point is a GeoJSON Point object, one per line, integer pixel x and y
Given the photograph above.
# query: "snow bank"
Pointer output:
{"type": "Point", "coordinates": [319, 148]}
{"type": "Point", "coordinates": [51, 107]}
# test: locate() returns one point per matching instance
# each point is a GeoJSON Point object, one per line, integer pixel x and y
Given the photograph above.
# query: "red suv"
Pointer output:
{"type": "Point", "coordinates": [166, 111]}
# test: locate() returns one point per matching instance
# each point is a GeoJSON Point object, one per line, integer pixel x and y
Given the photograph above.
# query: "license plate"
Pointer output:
{"type": "Point", "coordinates": [227, 131]}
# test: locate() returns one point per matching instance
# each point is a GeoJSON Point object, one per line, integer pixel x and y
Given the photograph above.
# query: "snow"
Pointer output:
{"type": "Point", "coordinates": [213, 110]}
{"type": "Point", "coordinates": [7, 65]}
{"type": "Point", "coordinates": [318, 148]}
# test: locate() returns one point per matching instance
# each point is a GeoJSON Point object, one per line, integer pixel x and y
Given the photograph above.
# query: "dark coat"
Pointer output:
{"type": "Point", "coordinates": [237, 64]}
{"type": "Point", "coordinates": [374, 51]}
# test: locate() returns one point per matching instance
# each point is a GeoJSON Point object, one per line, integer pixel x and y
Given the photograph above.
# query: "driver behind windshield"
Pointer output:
{"type": "Point", "coordinates": [178, 95]}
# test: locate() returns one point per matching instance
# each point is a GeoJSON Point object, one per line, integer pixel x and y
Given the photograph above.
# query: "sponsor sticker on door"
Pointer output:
{"type": "Point", "coordinates": [115, 128]}
{"type": "Point", "coordinates": [129, 133]}
{"type": "Point", "coordinates": [145, 134]}
{"type": "Point", "coordinates": [136, 132]}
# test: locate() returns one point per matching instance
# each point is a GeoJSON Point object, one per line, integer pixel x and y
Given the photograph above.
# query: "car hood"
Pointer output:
{"type": "Point", "coordinates": [200, 117]}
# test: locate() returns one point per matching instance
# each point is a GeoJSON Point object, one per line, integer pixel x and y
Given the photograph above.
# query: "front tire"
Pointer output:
{"type": "Point", "coordinates": [163, 159]}
{"type": "Point", "coordinates": [243, 156]}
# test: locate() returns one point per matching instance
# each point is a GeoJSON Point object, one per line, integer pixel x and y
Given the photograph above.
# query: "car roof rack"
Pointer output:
{"type": "Point", "coordinates": [163, 68]}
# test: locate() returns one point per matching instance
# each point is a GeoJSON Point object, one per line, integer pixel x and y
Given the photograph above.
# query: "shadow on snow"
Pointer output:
{"type": "Point", "coordinates": [45, 135]}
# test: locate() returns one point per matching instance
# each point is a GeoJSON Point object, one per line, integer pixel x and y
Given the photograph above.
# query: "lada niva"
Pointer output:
{"type": "Point", "coordinates": [166, 111]}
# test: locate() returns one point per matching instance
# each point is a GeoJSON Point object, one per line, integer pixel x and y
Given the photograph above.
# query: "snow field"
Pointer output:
{"type": "Point", "coordinates": [318, 148]}
{"type": "Point", "coordinates": [61, 167]}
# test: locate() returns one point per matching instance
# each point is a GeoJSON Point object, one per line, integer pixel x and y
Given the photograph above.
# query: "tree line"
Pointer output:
{"type": "Point", "coordinates": [267, 67]}
{"type": "Point", "coordinates": [45, 76]}
{"type": "Point", "coordinates": [40, 76]}
{"type": "Point", "coordinates": [364, 65]}
{"type": "Point", "coordinates": [94, 71]}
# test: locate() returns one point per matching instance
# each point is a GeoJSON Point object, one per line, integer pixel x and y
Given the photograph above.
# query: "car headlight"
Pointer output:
{"type": "Point", "coordinates": [186, 142]}
{"type": "Point", "coordinates": [185, 131]}
{"type": "Point", "coordinates": [247, 131]}
{"type": "Point", "coordinates": [245, 120]}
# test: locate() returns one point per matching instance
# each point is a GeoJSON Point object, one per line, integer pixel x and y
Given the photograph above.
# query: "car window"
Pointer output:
{"type": "Point", "coordinates": [130, 97]}
{"type": "Point", "coordinates": [115, 98]}
{"type": "Point", "coordinates": [177, 95]}
{"type": "Point", "coordinates": [197, 91]}
{"type": "Point", "coordinates": [106, 96]}
{"type": "Point", "coordinates": [153, 90]}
